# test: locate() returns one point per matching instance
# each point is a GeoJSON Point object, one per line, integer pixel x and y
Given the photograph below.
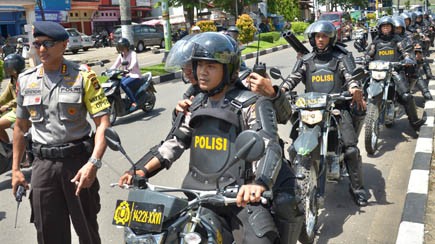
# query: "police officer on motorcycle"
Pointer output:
{"type": "Point", "coordinates": [389, 47]}
{"type": "Point", "coordinates": [331, 60]}
{"type": "Point", "coordinates": [219, 113]}
{"type": "Point", "coordinates": [411, 72]}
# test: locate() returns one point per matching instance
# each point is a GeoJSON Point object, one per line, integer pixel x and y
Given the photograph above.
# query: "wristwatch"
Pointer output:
{"type": "Point", "coordinates": [96, 162]}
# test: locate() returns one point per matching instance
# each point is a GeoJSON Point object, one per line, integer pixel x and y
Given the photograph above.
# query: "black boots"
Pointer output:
{"type": "Point", "coordinates": [359, 196]}
{"type": "Point", "coordinates": [353, 163]}
{"type": "Point", "coordinates": [422, 86]}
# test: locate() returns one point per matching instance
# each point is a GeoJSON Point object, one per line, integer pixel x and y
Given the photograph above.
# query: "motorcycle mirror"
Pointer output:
{"type": "Point", "coordinates": [358, 45]}
{"type": "Point", "coordinates": [249, 146]}
{"type": "Point", "coordinates": [112, 139]}
{"type": "Point", "coordinates": [275, 73]}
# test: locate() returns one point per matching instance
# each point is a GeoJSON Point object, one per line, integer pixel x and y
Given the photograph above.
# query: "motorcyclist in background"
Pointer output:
{"type": "Point", "coordinates": [127, 54]}
{"type": "Point", "coordinates": [13, 65]}
{"type": "Point", "coordinates": [389, 47]}
{"type": "Point", "coordinates": [412, 72]}
{"type": "Point", "coordinates": [224, 109]}
{"type": "Point", "coordinates": [331, 60]}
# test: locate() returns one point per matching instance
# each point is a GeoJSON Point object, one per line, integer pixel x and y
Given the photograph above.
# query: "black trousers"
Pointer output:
{"type": "Point", "coordinates": [53, 202]}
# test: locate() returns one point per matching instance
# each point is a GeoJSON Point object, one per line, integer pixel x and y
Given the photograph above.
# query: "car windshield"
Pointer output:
{"type": "Point", "coordinates": [72, 33]}
{"type": "Point", "coordinates": [330, 17]}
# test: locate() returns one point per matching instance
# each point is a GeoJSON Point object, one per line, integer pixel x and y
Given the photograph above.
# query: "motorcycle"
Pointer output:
{"type": "Point", "coordinates": [101, 41]}
{"type": "Point", "coordinates": [360, 36]}
{"type": "Point", "coordinates": [318, 147]}
{"type": "Point", "coordinates": [381, 101]}
{"type": "Point", "coordinates": [152, 215]}
{"type": "Point", "coordinates": [144, 92]}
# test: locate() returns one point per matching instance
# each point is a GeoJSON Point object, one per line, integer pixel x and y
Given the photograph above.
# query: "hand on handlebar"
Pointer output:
{"type": "Point", "coordinates": [358, 98]}
{"type": "Point", "coordinates": [249, 193]}
{"type": "Point", "coordinates": [127, 177]}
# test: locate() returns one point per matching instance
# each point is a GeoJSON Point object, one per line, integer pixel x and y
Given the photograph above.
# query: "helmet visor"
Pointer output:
{"type": "Point", "coordinates": [180, 55]}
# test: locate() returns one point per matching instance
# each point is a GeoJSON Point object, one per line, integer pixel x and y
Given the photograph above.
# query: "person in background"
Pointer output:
{"type": "Point", "coordinates": [126, 54]}
{"type": "Point", "coordinates": [196, 30]}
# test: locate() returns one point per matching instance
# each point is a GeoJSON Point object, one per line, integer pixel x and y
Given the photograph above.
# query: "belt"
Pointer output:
{"type": "Point", "coordinates": [62, 151]}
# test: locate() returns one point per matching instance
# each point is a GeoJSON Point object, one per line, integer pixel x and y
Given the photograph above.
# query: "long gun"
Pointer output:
{"type": "Point", "coordinates": [294, 42]}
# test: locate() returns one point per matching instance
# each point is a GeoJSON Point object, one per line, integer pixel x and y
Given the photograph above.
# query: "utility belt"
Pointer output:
{"type": "Point", "coordinates": [77, 147]}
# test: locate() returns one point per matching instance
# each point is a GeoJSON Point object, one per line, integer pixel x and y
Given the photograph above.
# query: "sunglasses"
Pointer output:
{"type": "Point", "coordinates": [45, 44]}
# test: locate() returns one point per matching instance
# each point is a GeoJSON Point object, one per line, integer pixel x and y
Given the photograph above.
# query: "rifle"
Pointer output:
{"type": "Point", "coordinates": [294, 42]}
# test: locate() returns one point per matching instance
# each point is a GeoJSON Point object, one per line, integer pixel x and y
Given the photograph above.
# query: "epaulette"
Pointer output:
{"type": "Point", "coordinates": [242, 98]}
{"type": "Point", "coordinates": [28, 71]}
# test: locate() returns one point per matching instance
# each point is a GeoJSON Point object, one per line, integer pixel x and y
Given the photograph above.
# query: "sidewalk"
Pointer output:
{"type": "Point", "coordinates": [418, 216]}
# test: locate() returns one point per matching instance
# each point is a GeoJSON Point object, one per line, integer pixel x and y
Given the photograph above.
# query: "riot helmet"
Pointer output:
{"type": "Point", "coordinates": [321, 26]}
{"type": "Point", "coordinates": [406, 16]}
{"type": "Point", "coordinates": [386, 20]}
{"type": "Point", "coordinates": [413, 17]}
{"type": "Point", "coordinates": [398, 21]}
{"type": "Point", "coordinates": [13, 64]}
{"type": "Point", "coordinates": [418, 17]}
{"type": "Point", "coordinates": [180, 54]}
{"type": "Point", "coordinates": [219, 48]}
{"type": "Point", "coordinates": [122, 43]}
{"type": "Point", "coordinates": [233, 31]}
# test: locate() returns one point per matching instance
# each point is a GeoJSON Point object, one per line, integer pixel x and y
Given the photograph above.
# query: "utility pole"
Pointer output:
{"type": "Point", "coordinates": [41, 10]}
{"type": "Point", "coordinates": [166, 28]}
{"type": "Point", "coordinates": [126, 29]}
{"type": "Point", "coordinates": [237, 10]}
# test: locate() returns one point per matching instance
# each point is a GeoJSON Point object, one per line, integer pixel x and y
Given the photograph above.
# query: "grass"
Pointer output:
{"type": "Point", "coordinates": [159, 69]}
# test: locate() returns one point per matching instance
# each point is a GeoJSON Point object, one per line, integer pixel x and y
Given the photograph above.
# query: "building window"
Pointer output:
{"type": "Point", "coordinates": [85, 14]}
{"type": "Point", "coordinates": [139, 13]}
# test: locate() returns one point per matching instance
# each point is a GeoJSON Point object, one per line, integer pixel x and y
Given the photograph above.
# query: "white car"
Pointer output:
{"type": "Point", "coordinates": [75, 41]}
{"type": "Point", "coordinates": [86, 41]}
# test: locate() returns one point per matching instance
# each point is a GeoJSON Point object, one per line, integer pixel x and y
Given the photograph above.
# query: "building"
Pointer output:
{"type": "Point", "coordinates": [14, 15]}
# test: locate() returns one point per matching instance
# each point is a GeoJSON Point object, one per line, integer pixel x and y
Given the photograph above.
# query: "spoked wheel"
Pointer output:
{"type": "Point", "coordinates": [112, 115]}
{"type": "Point", "coordinates": [307, 188]}
{"type": "Point", "coordinates": [371, 128]}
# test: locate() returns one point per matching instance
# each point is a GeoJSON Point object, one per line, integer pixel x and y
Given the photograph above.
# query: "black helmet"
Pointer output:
{"type": "Point", "coordinates": [398, 21]}
{"type": "Point", "coordinates": [233, 29]}
{"type": "Point", "coordinates": [122, 43]}
{"type": "Point", "coordinates": [385, 21]}
{"type": "Point", "coordinates": [220, 48]}
{"type": "Point", "coordinates": [14, 62]}
{"type": "Point", "coordinates": [321, 26]}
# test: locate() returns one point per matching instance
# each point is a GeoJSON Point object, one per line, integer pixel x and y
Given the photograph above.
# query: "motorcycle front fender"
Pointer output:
{"type": "Point", "coordinates": [307, 140]}
{"type": "Point", "coordinates": [374, 89]}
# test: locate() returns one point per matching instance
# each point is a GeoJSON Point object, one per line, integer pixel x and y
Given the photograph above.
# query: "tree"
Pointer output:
{"type": "Point", "coordinates": [289, 9]}
{"type": "Point", "coordinates": [230, 5]}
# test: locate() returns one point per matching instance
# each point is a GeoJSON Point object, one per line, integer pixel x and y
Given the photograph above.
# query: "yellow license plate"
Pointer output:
{"type": "Point", "coordinates": [139, 215]}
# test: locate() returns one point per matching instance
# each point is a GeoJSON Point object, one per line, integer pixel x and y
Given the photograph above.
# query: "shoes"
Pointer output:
{"type": "Point", "coordinates": [427, 96]}
{"type": "Point", "coordinates": [416, 125]}
{"type": "Point", "coordinates": [133, 107]}
{"type": "Point", "coordinates": [359, 196]}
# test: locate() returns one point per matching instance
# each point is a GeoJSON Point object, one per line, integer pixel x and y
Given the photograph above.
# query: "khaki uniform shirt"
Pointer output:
{"type": "Point", "coordinates": [8, 96]}
{"type": "Point", "coordinates": [57, 108]}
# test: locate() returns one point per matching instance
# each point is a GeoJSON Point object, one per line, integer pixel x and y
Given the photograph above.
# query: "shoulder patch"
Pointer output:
{"type": "Point", "coordinates": [29, 71]}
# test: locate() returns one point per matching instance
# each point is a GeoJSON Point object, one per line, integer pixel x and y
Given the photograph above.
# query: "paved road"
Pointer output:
{"type": "Point", "coordinates": [386, 176]}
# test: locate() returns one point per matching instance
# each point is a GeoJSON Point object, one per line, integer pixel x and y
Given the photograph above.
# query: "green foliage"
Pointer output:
{"type": "Point", "coordinates": [289, 9]}
{"type": "Point", "coordinates": [371, 16]}
{"type": "Point", "coordinates": [246, 28]}
{"type": "Point", "coordinates": [206, 25]}
{"type": "Point", "coordinates": [299, 27]}
{"type": "Point", "coordinates": [270, 36]}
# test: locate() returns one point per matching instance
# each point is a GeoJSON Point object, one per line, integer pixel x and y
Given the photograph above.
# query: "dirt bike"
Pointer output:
{"type": "Point", "coordinates": [152, 215]}
{"type": "Point", "coordinates": [381, 101]}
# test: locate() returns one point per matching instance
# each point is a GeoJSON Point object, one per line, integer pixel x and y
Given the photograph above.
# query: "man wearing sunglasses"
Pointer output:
{"type": "Point", "coordinates": [56, 96]}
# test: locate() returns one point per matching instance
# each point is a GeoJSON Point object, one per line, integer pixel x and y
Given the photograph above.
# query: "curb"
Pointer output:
{"type": "Point", "coordinates": [177, 75]}
{"type": "Point", "coordinates": [411, 229]}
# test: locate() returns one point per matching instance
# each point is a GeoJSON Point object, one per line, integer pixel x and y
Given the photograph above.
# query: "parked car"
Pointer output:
{"type": "Point", "coordinates": [86, 41]}
{"type": "Point", "coordinates": [342, 23]}
{"type": "Point", "coordinates": [143, 36]}
{"type": "Point", "coordinates": [74, 40]}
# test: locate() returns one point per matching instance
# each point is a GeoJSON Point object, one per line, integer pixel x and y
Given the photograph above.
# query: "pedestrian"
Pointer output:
{"type": "Point", "coordinates": [196, 30]}
{"type": "Point", "coordinates": [56, 96]}
{"type": "Point", "coordinates": [126, 54]}
{"type": "Point", "coordinates": [220, 112]}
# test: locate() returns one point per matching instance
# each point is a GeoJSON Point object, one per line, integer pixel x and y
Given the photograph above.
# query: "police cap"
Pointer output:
{"type": "Point", "coordinates": [50, 29]}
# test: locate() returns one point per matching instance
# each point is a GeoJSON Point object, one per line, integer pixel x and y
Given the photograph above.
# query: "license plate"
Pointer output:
{"type": "Point", "coordinates": [139, 215]}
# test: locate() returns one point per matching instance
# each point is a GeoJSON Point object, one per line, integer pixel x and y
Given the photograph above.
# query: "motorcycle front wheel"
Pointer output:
{"type": "Point", "coordinates": [149, 105]}
{"type": "Point", "coordinates": [371, 136]}
{"type": "Point", "coordinates": [307, 188]}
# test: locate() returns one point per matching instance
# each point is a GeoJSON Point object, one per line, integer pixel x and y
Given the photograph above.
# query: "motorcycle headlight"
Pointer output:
{"type": "Point", "coordinates": [192, 238]}
{"type": "Point", "coordinates": [131, 238]}
{"type": "Point", "coordinates": [311, 117]}
{"type": "Point", "coordinates": [379, 75]}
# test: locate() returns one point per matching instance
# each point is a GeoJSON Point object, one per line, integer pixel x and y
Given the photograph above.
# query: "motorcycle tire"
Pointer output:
{"type": "Point", "coordinates": [112, 115]}
{"type": "Point", "coordinates": [371, 135]}
{"type": "Point", "coordinates": [307, 188]}
{"type": "Point", "coordinates": [149, 105]}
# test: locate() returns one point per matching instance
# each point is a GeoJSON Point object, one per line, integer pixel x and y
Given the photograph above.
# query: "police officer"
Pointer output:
{"type": "Point", "coordinates": [389, 47]}
{"type": "Point", "coordinates": [415, 75]}
{"type": "Point", "coordinates": [56, 96]}
{"type": "Point", "coordinates": [13, 65]}
{"type": "Point", "coordinates": [328, 58]}
{"type": "Point", "coordinates": [221, 112]}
